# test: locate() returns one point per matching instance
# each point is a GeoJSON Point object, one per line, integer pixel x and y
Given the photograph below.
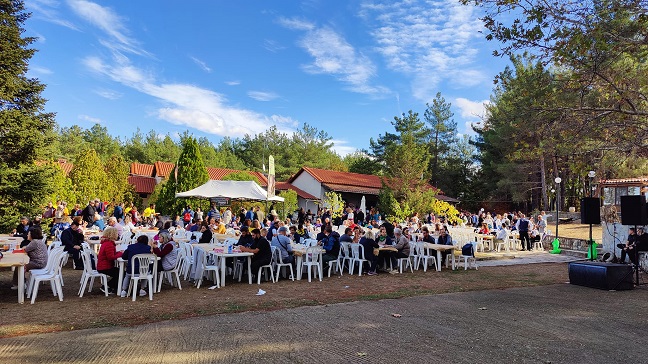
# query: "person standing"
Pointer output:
{"type": "Point", "coordinates": [522, 227]}
{"type": "Point", "coordinates": [88, 213]}
{"type": "Point", "coordinates": [118, 212]}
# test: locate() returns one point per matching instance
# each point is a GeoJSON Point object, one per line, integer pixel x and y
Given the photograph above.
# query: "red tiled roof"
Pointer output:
{"type": "Point", "coordinates": [163, 169]}
{"type": "Point", "coordinates": [140, 169]}
{"type": "Point", "coordinates": [352, 189]}
{"type": "Point", "coordinates": [347, 181]}
{"type": "Point", "coordinates": [340, 178]}
{"type": "Point", "coordinates": [65, 166]}
{"type": "Point", "coordinates": [642, 179]}
{"type": "Point", "coordinates": [142, 184]}
{"type": "Point", "coordinates": [219, 173]}
{"type": "Point", "coordinates": [283, 186]}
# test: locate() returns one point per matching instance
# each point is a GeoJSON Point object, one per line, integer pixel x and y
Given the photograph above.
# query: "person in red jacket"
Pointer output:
{"type": "Point", "coordinates": [106, 258]}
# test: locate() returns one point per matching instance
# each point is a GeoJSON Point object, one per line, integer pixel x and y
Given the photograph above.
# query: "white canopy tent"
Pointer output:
{"type": "Point", "coordinates": [240, 190]}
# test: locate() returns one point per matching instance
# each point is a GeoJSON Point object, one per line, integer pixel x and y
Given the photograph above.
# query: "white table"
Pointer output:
{"type": "Point", "coordinates": [439, 248]}
{"type": "Point", "coordinates": [122, 263]}
{"type": "Point", "coordinates": [224, 255]}
{"type": "Point", "coordinates": [300, 250]}
{"type": "Point", "coordinates": [17, 260]}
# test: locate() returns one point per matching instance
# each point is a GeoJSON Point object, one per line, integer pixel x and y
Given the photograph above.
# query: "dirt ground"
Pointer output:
{"type": "Point", "coordinates": [96, 310]}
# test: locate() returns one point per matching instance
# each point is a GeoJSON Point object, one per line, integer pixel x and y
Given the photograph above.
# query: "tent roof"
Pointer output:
{"type": "Point", "coordinates": [244, 190]}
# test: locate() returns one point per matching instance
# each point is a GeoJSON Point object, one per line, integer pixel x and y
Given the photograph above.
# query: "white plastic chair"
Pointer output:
{"type": "Point", "coordinates": [469, 260]}
{"type": "Point", "coordinates": [175, 270]}
{"type": "Point", "coordinates": [143, 273]}
{"type": "Point", "coordinates": [269, 267]}
{"type": "Point", "coordinates": [309, 242]}
{"type": "Point", "coordinates": [358, 256]}
{"type": "Point", "coordinates": [279, 264]}
{"type": "Point", "coordinates": [53, 276]}
{"type": "Point", "coordinates": [179, 234]}
{"type": "Point", "coordinates": [90, 274]}
{"type": "Point", "coordinates": [409, 260]}
{"type": "Point", "coordinates": [347, 257]}
{"type": "Point", "coordinates": [52, 258]}
{"type": "Point", "coordinates": [338, 262]}
{"type": "Point", "coordinates": [538, 244]}
{"type": "Point", "coordinates": [504, 243]}
{"type": "Point", "coordinates": [312, 261]}
{"type": "Point", "coordinates": [205, 268]}
{"type": "Point", "coordinates": [425, 255]}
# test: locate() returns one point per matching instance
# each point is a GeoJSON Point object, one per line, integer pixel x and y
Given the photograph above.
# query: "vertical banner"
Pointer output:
{"type": "Point", "coordinates": [271, 177]}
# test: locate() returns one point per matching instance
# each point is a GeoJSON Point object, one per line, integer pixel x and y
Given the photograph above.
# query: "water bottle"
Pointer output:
{"type": "Point", "coordinates": [229, 248]}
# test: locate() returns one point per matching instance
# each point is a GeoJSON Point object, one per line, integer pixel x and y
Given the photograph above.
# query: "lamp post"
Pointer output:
{"type": "Point", "coordinates": [557, 180]}
{"type": "Point", "coordinates": [592, 248]}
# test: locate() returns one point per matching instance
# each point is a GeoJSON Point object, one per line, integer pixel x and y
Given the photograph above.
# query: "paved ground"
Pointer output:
{"type": "Point", "coordinates": [551, 324]}
{"type": "Point", "coordinates": [491, 259]}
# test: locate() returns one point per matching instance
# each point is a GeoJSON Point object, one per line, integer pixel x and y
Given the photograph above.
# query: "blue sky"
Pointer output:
{"type": "Point", "coordinates": [227, 68]}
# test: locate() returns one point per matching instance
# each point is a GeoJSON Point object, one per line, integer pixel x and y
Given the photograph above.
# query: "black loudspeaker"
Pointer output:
{"type": "Point", "coordinates": [633, 210]}
{"type": "Point", "coordinates": [608, 276]}
{"type": "Point", "coordinates": [590, 210]}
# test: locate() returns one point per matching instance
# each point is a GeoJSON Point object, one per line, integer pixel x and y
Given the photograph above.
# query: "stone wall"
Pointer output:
{"type": "Point", "coordinates": [566, 243]}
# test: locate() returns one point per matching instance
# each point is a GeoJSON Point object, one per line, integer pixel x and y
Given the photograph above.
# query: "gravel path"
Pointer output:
{"type": "Point", "coordinates": [550, 324]}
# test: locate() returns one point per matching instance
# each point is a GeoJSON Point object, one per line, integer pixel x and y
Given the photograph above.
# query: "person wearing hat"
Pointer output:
{"type": "Point", "coordinates": [282, 242]}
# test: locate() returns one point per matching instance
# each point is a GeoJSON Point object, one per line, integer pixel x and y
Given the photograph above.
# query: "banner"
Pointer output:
{"type": "Point", "coordinates": [271, 177]}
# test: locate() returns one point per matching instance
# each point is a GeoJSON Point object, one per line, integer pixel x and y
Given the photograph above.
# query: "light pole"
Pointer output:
{"type": "Point", "coordinates": [592, 248]}
{"type": "Point", "coordinates": [557, 180]}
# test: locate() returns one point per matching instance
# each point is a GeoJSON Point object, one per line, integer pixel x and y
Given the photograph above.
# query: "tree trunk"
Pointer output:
{"type": "Point", "coordinates": [543, 179]}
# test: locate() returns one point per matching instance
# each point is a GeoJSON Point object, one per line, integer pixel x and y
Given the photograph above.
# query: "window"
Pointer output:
{"type": "Point", "coordinates": [608, 196]}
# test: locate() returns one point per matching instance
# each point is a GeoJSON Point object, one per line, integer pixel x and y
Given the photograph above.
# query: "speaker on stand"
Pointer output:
{"type": "Point", "coordinates": [591, 214]}
{"type": "Point", "coordinates": [634, 212]}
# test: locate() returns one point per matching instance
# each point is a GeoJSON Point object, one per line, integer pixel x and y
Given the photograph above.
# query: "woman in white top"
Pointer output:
{"type": "Point", "coordinates": [350, 214]}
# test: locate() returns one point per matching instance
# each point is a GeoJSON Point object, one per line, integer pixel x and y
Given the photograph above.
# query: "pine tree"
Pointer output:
{"type": "Point", "coordinates": [89, 177]}
{"type": "Point", "coordinates": [116, 178]}
{"type": "Point", "coordinates": [25, 127]}
{"type": "Point", "coordinates": [443, 130]}
{"type": "Point", "coordinates": [191, 173]}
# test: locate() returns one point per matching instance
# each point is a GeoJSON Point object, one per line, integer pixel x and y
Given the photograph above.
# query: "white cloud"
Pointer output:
{"type": "Point", "coordinates": [272, 45]}
{"type": "Point", "coordinates": [201, 64]}
{"type": "Point", "coordinates": [41, 70]}
{"type": "Point", "coordinates": [180, 104]}
{"type": "Point", "coordinates": [108, 21]}
{"type": "Point", "coordinates": [262, 95]}
{"type": "Point", "coordinates": [108, 94]}
{"type": "Point", "coordinates": [233, 83]}
{"type": "Point", "coordinates": [333, 55]}
{"type": "Point", "coordinates": [90, 119]}
{"type": "Point", "coordinates": [342, 148]}
{"type": "Point", "coordinates": [284, 120]}
{"type": "Point", "coordinates": [429, 41]}
{"type": "Point", "coordinates": [471, 109]}
{"type": "Point", "coordinates": [296, 24]}
{"type": "Point", "coordinates": [47, 10]}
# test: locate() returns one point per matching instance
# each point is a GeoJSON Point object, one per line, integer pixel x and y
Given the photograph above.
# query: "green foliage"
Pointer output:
{"type": "Point", "coordinates": [334, 202]}
{"type": "Point", "coordinates": [89, 177]}
{"type": "Point", "coordinates": [443, 130]}
{"type": "Point", "coordinates": [61, 185]}
{"type": "Point", "coordinates": [289, 205]}
{"type": "Point", "coordinates": [191, 174]}
{"type": "Point", "coordinates": [387, 202]}
{"type": "Point", "coordinates": [408, 158]}
{"type": "Point", "coordinates": [116, 185]}
{"type": "Point", "coordinates": [25, 129]}
{"type": "Point", "coordinates": [360, 162]}
{"type": "Point", "coordinates": [240, 176]}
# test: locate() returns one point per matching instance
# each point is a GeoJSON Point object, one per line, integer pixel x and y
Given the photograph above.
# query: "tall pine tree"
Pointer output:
{"type": "Point", "coordinates": [25, 127]}
{"type": "Point", "coordinates": [191, 173]}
